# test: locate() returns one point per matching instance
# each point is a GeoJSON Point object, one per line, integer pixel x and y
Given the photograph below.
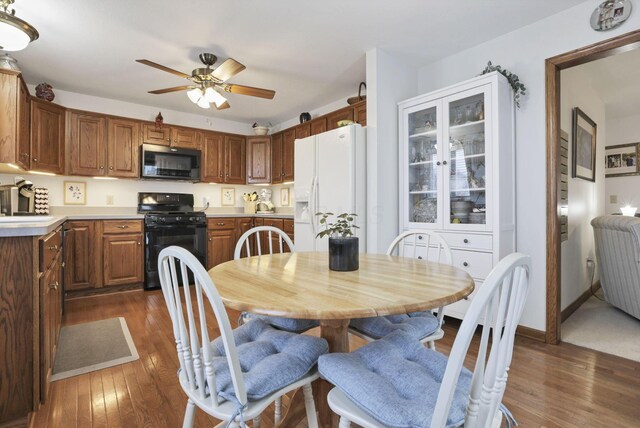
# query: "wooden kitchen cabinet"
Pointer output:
{"type": "Point", "coordinates": [338, 115]}
{"type": "Point", "coordinates": [235, 159]}
{"type": "Point", "coordinates": [154, 135]}
{"type": "Point", "coordinates": [174, 136]}
{"type": "Point", "coordinates": [303, 130]}
{"type": "Point", "coordinates": [123, 144]}
{"type": "Point", "coordinates": [360, 113]}
{"type": "Point", "coordinates": [258, 151]}
{"type": "Point", "coordinates": [51, 320]}
{"type": "Point", "coordinates": [287, 226]}
{"type": "Point", "coordinates": [14, 120]}
{"type": "Point", "coordinates": [244, 224]}
{"type": "Point", "coordinates": [276, 158]}
{"type": "Point", "coordinates": [288, 155]}
{"type": "Point", "coordinates": [186, 138]}
{"type": "Point", "coordinates": [47, 136]}
{"type": "Point", "coordinates": [82, 253]}
{"type": "Point", "coordinates": [86, 143]}
{"type": "Point", "coordinates": [122, 252]}
{"type": "Point", "coordinates": [220, 246]}
{"type": "Point", "coordinates": [213, 158]}
{"type": "Point", "coordinates": [318, 125]}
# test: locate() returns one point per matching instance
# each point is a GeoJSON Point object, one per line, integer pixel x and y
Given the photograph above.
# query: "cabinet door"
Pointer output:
{"type": "Point", "coordinates": [287, 226]}
{"type": "Point", "coordinates": [288, 154]}
{"type": "Point", "coordinates": [235, 160]}
{"type": "Point", "coordinates": [213, 157]}
{"type": "Point", "coordinates": [303, 130]}
{"type": "Point", "coordinates": [24, 121]}
{"type": "Point", "coordinates": [123, 146]}
{"type": "Point", "coordinates": [81, 252]}
{"type": "Point", "coordinates": [318, 126]}
{"type": "Point", "coordinates": [47, 137]}
{"type": "Point", "coordinates": [276, 158]}
{"type": "Point", "coordinates": [186, 138]}
{"type": "Point", "coordinates": [242, 225]}
{"type": "Point", "coordinates": [467, 167]}
{"type": "Point", "coordinates": [123, 259]}
{"type": "Point", "coordinates": [258, 160]}
{"type": "Point", "coordinates": [360, 113]}
{"type": "Point", "coordinates": [220, 247]}
{"type": "Point", "coordinates": [87, 145]}
{"type": "Point", "coordinates": [338, 115]}
{"type": "Point", "coordinates": [153, 135]}
{"type": "Point", "coordinates": [423, 166]}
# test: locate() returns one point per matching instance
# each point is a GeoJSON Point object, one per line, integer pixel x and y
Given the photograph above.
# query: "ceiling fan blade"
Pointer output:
{"type": "Point", "coordinates": [163, 68]}
{"type": "Point", "coordinates": [223, 106]}
{"type": "Point", "coordinates": [174, 89]}
{"type": "Point", "coordinates": [249, 90]}
{"type": "Point", "coordinates": [227, 70]}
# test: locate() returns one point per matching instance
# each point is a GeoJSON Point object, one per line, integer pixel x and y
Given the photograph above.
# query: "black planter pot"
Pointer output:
{"type": "Point", "coordinates": [343, 253]}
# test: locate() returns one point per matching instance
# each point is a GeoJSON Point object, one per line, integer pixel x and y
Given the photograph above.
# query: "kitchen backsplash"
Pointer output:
{"type": "Point", "coordinates": [123, 193]}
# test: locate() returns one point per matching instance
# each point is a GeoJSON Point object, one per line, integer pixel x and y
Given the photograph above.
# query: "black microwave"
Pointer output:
{"type": "Point", "coordinates": [169, 163]}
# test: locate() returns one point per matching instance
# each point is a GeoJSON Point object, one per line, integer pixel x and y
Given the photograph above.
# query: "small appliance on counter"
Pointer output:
{"type": "Point", "coordinates": [265, 206]}
{"type": "Point", "coordinates": [18, 199]}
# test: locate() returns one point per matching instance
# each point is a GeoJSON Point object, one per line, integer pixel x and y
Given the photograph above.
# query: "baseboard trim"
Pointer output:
{"type": "Point", "coordinates": [569, 310]}
{"type": "Point", "coordinates": [531, 333]}
{"type": "Point", "coordinates": [78, 294]}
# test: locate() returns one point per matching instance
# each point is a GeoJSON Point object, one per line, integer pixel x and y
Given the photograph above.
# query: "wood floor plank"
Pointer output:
{"type": "Point", "coordinates": [549, 386]}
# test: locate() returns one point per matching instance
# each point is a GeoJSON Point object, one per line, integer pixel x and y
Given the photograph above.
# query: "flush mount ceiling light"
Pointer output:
{"type": "Point", "coordinates": [15, 34]}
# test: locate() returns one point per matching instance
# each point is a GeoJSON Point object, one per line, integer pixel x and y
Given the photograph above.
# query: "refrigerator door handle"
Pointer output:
{"type": "Point", "coordinates": [312, 206]}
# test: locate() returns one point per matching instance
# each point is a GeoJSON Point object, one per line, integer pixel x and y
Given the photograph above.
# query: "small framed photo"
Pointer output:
{"type": "Point", "coordinates": [75, 193]}
{"type": "Point", "coordinates": [228, 197]}
{"type": "Point", "coordinates": [284, 197]}
{"type": "Point", "coordinates": [621, 160]}
{"type": "Point", "coordinates": [583, 164]}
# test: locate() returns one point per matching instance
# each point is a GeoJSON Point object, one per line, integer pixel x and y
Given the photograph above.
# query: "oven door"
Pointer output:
{"type": "Point", "coordinates": [190, 237]}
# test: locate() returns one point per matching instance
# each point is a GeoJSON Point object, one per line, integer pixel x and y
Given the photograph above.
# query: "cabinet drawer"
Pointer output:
{"type": "Point", "coordinates": [287, 225]}
{"type": "Point", "coordinates": [221, 223]}
{"type": "Point", "coordinates": [476, 264]}
{"type": "Point", "coordinates": [419, 251]}
{"type": "Point", "coordinates": [122, 226]}
{"type": "Point", "coordinates": [469, 240]}
{"type": "Point", "coordinates": [49, 248]}
{"type": "Point", "coordinates": [274, 222]}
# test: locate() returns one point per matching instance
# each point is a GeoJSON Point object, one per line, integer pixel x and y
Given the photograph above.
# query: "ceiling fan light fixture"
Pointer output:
{"type": "Point", "coordinates": [15, 34]}
{"type": "Point", "coordinates": [194, 95]}
{"type": "Point", "coordinates": [203, 103]}
{"type": "Point", "coordinates": [214, 96]}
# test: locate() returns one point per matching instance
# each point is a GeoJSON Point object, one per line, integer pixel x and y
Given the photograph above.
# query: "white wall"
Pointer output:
{"type": "Point", "coordinates": [622, 130]}
{"type": "Point", "coordinates": [586, 198]}
{"type": "Point", "coordinates": [524, 52]}
{"type": "Point", "coordinates": [389, 81]}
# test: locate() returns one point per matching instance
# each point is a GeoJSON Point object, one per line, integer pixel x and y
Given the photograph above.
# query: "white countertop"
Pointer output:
{"type": "Point", "coordinates": [41, 225]}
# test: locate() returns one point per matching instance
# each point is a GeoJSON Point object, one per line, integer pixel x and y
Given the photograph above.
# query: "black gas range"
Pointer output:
{"type": "Point", "coordinates": [170, 220]}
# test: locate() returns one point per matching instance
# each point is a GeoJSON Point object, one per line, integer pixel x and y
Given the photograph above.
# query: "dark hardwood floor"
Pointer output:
{"type": "Point", "coordinates": [549, 386]}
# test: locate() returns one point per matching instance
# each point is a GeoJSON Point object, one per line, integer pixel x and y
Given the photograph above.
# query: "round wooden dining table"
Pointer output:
{"type": "Point", "coordinates": [301, 285]}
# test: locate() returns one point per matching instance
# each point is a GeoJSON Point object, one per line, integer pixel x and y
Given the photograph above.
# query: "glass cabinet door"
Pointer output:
{"type": "Point", "coordinates": [466, 184]}
{"type": "Point", "coordinates": [423, 160]}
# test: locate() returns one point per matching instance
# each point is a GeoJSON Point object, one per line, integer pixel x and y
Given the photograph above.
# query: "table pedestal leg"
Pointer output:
{"type": "Point", "coordinates": [336, 333]}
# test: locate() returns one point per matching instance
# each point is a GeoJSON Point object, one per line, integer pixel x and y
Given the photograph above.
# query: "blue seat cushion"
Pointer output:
{"type": "Point", "coordinates": [396, 380]}
{"type": "Point", "coordinates": [418, 324]}
{"type": "Point", "coordinates": [295, 325]}
{"type": "Point", "coordinates": [270, 359]}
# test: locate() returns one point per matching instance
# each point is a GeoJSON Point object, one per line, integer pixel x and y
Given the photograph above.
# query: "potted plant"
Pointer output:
{"type": "Point", "coordinates": [343, 245]}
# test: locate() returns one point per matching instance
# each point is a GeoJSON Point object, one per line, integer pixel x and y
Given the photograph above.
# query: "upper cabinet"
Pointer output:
{"type": "Point", "coordinates": [47, 136]}
{"type": "Point", "coordinates": [174, 136]}
{"type": "Point", "coordinates": [123, 143]}
{"type": "Point", "coordinates": [288, 148]}
{"type": "Point", "coordinates": [187, 138]}
{"type": "Point", "coordinates": [213, 157]}
{"type": "Point", "coordinates": [86, 144]}
{"type": "Point", "coordinates": [318, 125]}
{"type": "Point", "coordinates": [338, 115]}
{"type": "Point", "coordinates": [258, 159]}
{"type": "Point", "coordinates": [235, 160]}
{"type": "Point", "coordinates": [14, 120]}
{"type": "Point", "coordinates": [151, 134]}
{"type": "Point", "coordinates": [276, 158]}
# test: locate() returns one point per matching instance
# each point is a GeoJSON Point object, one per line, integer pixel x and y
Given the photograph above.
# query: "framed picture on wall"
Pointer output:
{"type": "Point", "coordinates": [228, 196]}
{"type": "Point", "coordinates": [621, 160]}
{"type": "Point", "coordinates": [75, 193]}
{"type": "Point", "coordinates": [583, 164]}
{"type": "Point", "coordinates": [284, 197]}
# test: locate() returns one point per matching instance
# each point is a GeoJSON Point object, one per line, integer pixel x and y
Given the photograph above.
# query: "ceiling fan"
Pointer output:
{"type": "Point", "coordinates": [207, 82]}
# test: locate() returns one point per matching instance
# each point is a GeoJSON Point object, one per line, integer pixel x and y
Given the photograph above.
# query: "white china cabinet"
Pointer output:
{"type": "Point", "coordinates": [457, 172]}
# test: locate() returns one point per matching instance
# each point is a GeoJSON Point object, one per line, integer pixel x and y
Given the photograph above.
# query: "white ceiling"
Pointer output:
{"type": "Point", "coordinates": [310, 53]}
{"type": "Point", "coordinates": [617, 81]}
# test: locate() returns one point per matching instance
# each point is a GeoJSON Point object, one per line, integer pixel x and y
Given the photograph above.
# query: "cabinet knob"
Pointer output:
{"type": "Point", "coordinates": [54, 285]}
{"type": "Point", "coordinates": [220, 223]}
{"type": "Point", "coordinates": [420, 237]}
{"type": "Point", "coordinates": [111, 168]}
{"type": "Point", "coordinates": [168, 140]}
{"type": "Point", "coordinates": [444, 162]}
{"type": "Point", "coordinates": [465, 240]}
{"type": "Point", "coordinates": [209, 239]}
{"type": "Point", "coordinates": [419, 257]}
{"type": "Point", "coordinates": [52, 247]}
{"type": "Point", "coordinates": [138, 243]}
{"type": "Point", "coordinates": [25, 155]}
{"type": "Point", "coordinates": [101, 167]}
{"type": "Point", "coordinates": [124, 226]}
{"type": "Point", "coordinates": [465, 264]}
{"type": "Point", "coordinates": [35, 159]}
{"type": "Point", "coordinates": [438, 163]}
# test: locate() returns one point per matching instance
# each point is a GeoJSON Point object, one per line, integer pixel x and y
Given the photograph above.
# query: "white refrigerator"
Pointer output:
{"type": "Point", "coordinates": [330, 176]}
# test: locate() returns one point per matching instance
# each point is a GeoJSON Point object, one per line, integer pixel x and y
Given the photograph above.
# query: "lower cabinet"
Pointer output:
{"type": "Point", "coordinates": [123, 256]}
{"type": "Point", "coordinates": [220, 246]}
{"type": "Point", "coordinates": [82, 253]}
{"type": "Point", "coordinates": [50, 321]}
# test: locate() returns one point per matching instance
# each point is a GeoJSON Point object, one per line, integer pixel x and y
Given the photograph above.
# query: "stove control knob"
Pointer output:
{"type": "Point", "coordinates": [178, 218]}
{"type": "Point", "coordinates": [191, 219]}
{"type": "Point", "coordinates": [162, 220]}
